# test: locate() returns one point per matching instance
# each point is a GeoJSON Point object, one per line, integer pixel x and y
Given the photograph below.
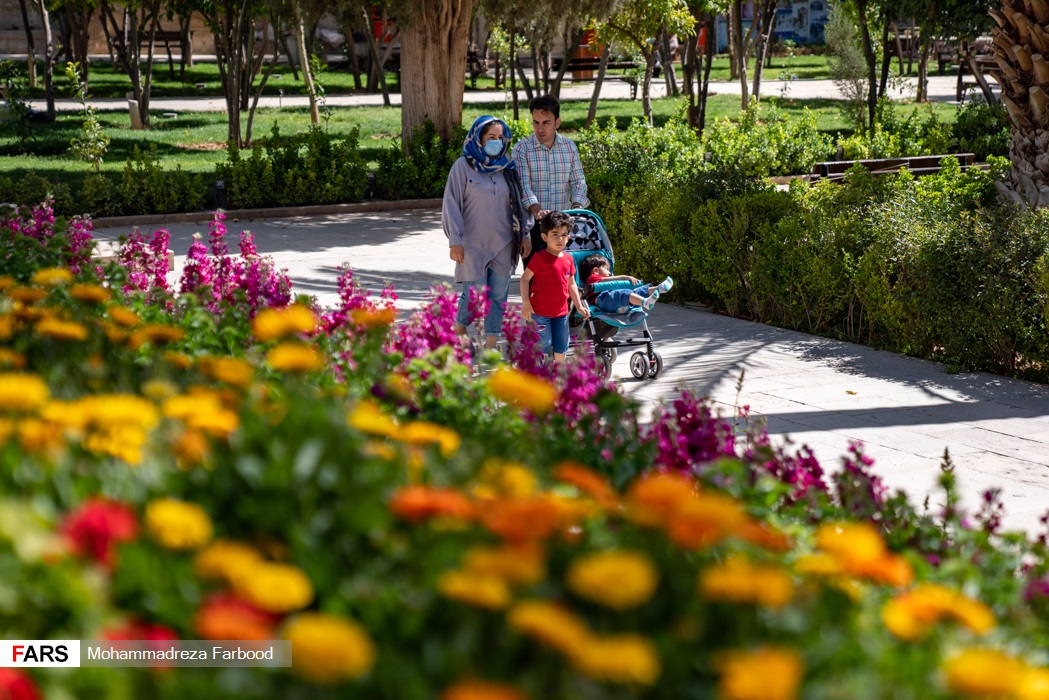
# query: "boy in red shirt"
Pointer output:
{"type": "Point", "coordinates": [597, 269]}
{"type": "Point", "coordinates": [548, 283]}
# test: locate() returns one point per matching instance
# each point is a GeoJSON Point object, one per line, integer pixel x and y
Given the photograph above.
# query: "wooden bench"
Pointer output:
{"type": "Point", "coordinates": [581, 64]}
{"type": "Point", "coordinates": [167, 38]}
{"type": "Point", "coordinates": [917, 165]}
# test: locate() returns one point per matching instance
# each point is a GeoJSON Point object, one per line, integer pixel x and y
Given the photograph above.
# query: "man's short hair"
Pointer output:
{"type": "Point", "coordinates": [547, 103]}
{"type": "Point", "coordinates": [555, 219]}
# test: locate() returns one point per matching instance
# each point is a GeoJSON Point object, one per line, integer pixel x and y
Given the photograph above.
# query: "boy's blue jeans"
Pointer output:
{"type": "Point", "coordinates": [553, 333]}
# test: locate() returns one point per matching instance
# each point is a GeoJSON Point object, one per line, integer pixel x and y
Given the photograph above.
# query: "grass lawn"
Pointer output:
{"type": "Point", "coordinates": [196, 140]}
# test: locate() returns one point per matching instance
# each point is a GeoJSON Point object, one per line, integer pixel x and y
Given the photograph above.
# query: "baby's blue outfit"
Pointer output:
{"type": "Point", "coordinates": [617, 301]}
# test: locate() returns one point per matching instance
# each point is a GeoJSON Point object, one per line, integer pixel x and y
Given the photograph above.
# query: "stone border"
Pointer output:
{"type": "Point", "coordinates": [269, 213]}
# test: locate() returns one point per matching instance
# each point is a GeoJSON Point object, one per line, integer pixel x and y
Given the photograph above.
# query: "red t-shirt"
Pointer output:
{"type": "Point", "coordinates": [549, 291]}
{"type": "Point", "coordinates": [593, 279]}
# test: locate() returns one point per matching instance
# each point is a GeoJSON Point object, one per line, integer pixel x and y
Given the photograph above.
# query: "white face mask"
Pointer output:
{"type": "Point", "coordinates": [493, 147]}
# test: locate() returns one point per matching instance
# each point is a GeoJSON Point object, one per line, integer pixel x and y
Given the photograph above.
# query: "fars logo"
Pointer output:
{"type": "Point", "coordinates": [40, 652]}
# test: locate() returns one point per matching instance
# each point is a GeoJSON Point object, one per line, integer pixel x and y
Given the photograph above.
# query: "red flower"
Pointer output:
{"type": "Point", "coordinates": [97, 526]}
{"type": "Point", "coordinates": [137, 630]}
{"type": "Point", "coordinates": [226, 616]}
{"type": "Point", "coordinates": [17, 685]}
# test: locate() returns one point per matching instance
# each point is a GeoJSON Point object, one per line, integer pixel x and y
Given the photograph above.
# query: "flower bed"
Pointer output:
{"type": "Point", "coordinates": [230, 462]}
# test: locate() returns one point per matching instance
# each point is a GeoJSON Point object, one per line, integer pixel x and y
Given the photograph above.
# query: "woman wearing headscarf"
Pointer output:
{"type": "Point", "coordinates": [484, 220]}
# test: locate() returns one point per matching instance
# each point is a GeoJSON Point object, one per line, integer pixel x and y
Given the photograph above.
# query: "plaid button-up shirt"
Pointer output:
{"type": "Point", "coordinates": [551, 177]}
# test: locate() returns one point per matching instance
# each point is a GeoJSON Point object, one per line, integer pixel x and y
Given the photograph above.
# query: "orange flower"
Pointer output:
{"type": "Point", "coordinates": [374, 318]}
{"type": "Point", "coordinates": [767, 673]}
{"type": "Point", "coordinates": [226, 616]}
{"type": "Point", "coordinates": [652, 498]}
{"type": "Point", "coordinates": [586, 480]}
{"type": "Point", "coordinates": [984, 672]}
{"type": "Point", "coordinates": [739, 581]}
{"type": "Point", "coordinates": [89, 293]}
{"type": "Point", "coordinates": [61, 330]}
{"type": "Point", "coordinates": [520, 520]}
{"type": "Point", "coordinates": [522, 565]}
{"type": "Point", "coordinates": [527, 391]}
{"type": "Point", "coordinates": [860, 550]}
{"type": "Point", "coordinates": [27, 295]}
{"type": "Point", "coordinates": [154, 335]}
{"type": "Point", "coordinates": [418, 503]}
{"type": "Point", "coordinates": [705, 520]}
{"type": "Point", "coordinates": [764, 536]}
{"type": "Point", "coordinates": [483, 590]}
{"type": "Point", "coordinates": [124, 317]}
{"type": "Point", "coordinates": [910, 615]}
{"type": "Point", "coordinates": [479, 690]}
{"type": "Point", "coordinates": [550, 624]}
{"type": "Point", "coordinates": [274, 323]}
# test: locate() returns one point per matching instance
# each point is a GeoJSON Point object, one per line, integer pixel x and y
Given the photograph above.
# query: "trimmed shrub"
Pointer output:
{"type": "Point", "coordinates": [418, 168]}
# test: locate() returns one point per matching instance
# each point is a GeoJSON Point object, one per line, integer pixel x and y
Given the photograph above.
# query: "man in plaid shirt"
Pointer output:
{"type": "Point", "coordinates": [550, 170]}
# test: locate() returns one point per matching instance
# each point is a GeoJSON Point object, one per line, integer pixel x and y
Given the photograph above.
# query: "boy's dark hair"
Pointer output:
{"type": "Point", "coordinates": [555, 219]}
{"type": "Point", "coordinates": [590, 263]}
{"type": "Point", "coordinates": [548, 103]}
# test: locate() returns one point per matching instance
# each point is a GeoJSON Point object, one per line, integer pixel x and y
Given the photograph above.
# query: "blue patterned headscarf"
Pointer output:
{"type": "Point", "coordinates": [484, 163]}
{"type": "Point", "coordinates": [474, 153]}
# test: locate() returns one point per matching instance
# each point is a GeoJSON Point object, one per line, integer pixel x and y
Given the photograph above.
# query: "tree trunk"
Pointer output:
{"type": "Point", "coordinates": [872, 62]}
{"type": "Point", "coordinates": [886, 61]}
{"type": "Point", "coordinates": [304, 62]}
{"type": "Point", "coordinates": [50, 54]}
{"type": "Point", "coordinates": [78, 17]}
{"type": "Point", "coordinates": [513, 74]}
{"type": "Point", "coordinates": [433, 60]}
{"type": "Point", "coordinates": [923, 71]}
{"type": "Point", "coordinates": [669, 76]}
{"type": "Point", "coordinates": [981, 80]}
{"type": "Point", "coordinates": [768, 14]}
{"type": "Point", "coordinates": [737, 24]}
{"type": "Point", "coordinates": [524, 79]}
{"type": "Point", "coordinates": [646, 84]}
{"type": "Point", "coordinates": [733, 55]}
{"type": "Point", "coordinates": [602, 66]}
{"type": "Point", "coordinates": [377, 66]}
{"type": "Point", "coordinates": [555, 86]}
{"type": "Point", "coordinates": [704, 91]}
{"type": "Point", "coordinates": [30, 46]}
{"type": "Point", "coordinates": [1025, 93]}
{"type": "Point", "coordinates": [185, 46]}
{"type": "Point", "coordinates": [351, 53]}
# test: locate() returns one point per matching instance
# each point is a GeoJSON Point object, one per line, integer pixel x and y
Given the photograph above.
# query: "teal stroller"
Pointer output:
{"type": "Point", "coordinates": [588, 237]}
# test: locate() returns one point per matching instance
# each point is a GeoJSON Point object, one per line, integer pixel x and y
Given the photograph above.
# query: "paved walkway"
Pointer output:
{"type": "Point", "coordinates": [816, 391]}
{"type": "Point", "coordinates": [941, 89]}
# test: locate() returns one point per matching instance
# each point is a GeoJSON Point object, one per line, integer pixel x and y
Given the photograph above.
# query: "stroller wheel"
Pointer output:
{"type": "Point", "coordinates": [639, 366]}
{"type": "Point", "coordinates": [655, 365]}
{"type": "Point", "coordinates": [604, 366]}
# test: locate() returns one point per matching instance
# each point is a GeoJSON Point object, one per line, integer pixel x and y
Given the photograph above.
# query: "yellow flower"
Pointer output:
{"type": "Point", "coordinates": [178, 359]}
{"type": "Point", "coordinates": [522, 565]}
{"type": "Point", "coordinates": [61, 330]}
{"type": "Point", "coordinates": [177, 524]}
{"type": "Point", "coordinates": [9, 359]}
{"type": "Point", "coordinates": [26, 295]}
{"type": "Point", "coordinates": [374, 318]}
{"type": "Point", "coordinates": [739, 581]}
{"type": "Point", "coordinates": [230, 370]}
{"type": "Point", "coordinates": [276, 588]}
{"type": "Point", "coordinates": [1035, 685]}
{"type": "Point", "coordinates": [184, 406]}
{"type": "Point", "coordinates": [767, 673]}
{"type": "Point", "coordinates": [155, 335]}
{"type": "Point", "coordinates": [89, 293]}
{"type": "Point", "coordinates": [159, 389]}
{"type": "Point", "coordinates": [119, 410]}
{"type": "Point", "coordinates": [327, 650]}
{"type": "Point", "coordinates": [6, 282]}
{"type": "Point", "coordinates": [616, 579]}
{"type": "Point", "coordinates": [22, 392]}
{"type": "Point", "coordinates": [522, 389]}
{"type": "Point", "coordinates": [475, 588]}
{"type": "Point", "coordinates": [35, 436]}
{"type": "Point", "coordinates": [626, 658]}
{"type": "Point", "coordinates": [984, 672]}
{"type": "Point", "coordinates": [294, 357]}
{"type": "Point", "coordinates": [271, 324]}
{"type": "Point", "coordinates": [367, 417]}
{"type": "Point", "coordinates": [124, 317]}
{"type": "Point", "coordinates": [479, 690]}
{"type": "Point", "coordinates": [7, 326]}
{"type": "Point", "coordinates": [499, 478]}
{"type": "Point", "coordinates": [226, 560]}
{"type": "Point", "coordinates": [910, 615]}
{"type": "Point", "coordinates": [219, 423]}
{"type": "Point", "coordinates": [553, 626]}
{"type": "Point", "coordinates": [191, 449]}
{"type": "Point", "coordinates": [424, 433]}
{"type": "Point", "coordinates": [52, 276]}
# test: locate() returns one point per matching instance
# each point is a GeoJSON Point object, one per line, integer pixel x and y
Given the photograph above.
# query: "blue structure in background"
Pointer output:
{"type": "Point", "coordinates": [800, 21]}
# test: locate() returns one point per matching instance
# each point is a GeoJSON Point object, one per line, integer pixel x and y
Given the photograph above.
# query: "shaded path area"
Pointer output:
{"type": "Point", "coordinates": [810, 390]}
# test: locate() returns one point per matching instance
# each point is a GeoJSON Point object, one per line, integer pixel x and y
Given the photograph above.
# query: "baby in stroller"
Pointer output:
{"type": "Point", "coordinates": [618, 298]}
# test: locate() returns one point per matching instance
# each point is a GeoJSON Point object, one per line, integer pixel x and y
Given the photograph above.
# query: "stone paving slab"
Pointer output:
{"type": "Point", "coordinates": [907, 410]}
